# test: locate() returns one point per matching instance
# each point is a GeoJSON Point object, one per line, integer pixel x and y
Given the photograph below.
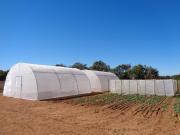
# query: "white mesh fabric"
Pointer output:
{"type": "Point", "coordinates": [104, 83]}
{"type": "Point", "coordinates": [150, 87]}
{"type": "Point", "coordinates": [118, 84]}
{"type": "Point", "coordinates": [160, 88]}
{"type": "Point", "coordinates": [20, 83]}
{"type": "Point", "coordinates": [141, 87]}
{"type": "Point", "coordinates": [113, 86]}
{"type": "Point", "coordinates": [144, 87]}
{"type": "Point", "coordinates": [94, 81]}
{"type": "Point", "coordinates": [133, 87]}
{"type": "Point", "coordinates": [104, 78]}
{"type": "Point", "coordinates": [125, 87]}
{"type": "Point", "coordinates": [10, 86]}
{"type": "Point", "coordinates": [83, 84]}
{"type": "Point", "coordinates": [68, 85]}
{"type": "Point", "coordinates": [48, 85]}
{"type": "Point", "coordinates": [169, 88]}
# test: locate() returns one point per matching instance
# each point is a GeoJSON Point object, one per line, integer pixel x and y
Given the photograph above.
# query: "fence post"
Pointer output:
{"type": "Point", "coordinates": [175, 86]}
{"type": "Point", "coordinates": [145, 86]}
{"type": "Point", "coordinates": [176, 83]}
{"type": "Point", "coordinates": [154, 87]}
{"type": "Point", "coordinates": [129, 86]}
{"type": "Point", "coordinates": [137, 87]}
{"type": "Point", "coordinates": [121, 87]}
{"type": "Point", "coordinates": [116, 91]}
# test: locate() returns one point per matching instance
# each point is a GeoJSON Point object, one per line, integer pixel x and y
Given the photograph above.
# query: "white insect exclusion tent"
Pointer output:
{"type": "Point", "coordinates": [39, 82]}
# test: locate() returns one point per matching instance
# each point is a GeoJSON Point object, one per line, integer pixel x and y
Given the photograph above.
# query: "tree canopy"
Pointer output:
{"type": "Point", "coordinates": [126, 71]}
{"type": "Point", "coordinates": [3, 75]}
{"type": "Point", "coordinates": [123, 71]}
{"type": "Point", "coordinates": [138, 72]}
{"type": "Point", "coordinates": [60, 65]}
{"type": "Point", "coordinates": [79, 65]}
{"type": "Point", "coordinates": [100, 66]}
{"type": "Point", "coordinates": [151, 73]}
{"type": "Point", "coordinates": [177, 77]}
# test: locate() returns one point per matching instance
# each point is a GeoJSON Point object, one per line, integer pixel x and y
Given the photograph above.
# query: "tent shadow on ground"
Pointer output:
{"type": "Point", "coordinates": [61, 99]}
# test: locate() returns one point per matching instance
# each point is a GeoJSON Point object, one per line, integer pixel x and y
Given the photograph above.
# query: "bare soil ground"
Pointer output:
{"type": "Point", "coordinates": [21, 117]}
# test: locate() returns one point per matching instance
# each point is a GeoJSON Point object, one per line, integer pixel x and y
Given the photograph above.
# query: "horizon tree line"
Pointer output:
{"type": "Point", "coordinates": [123, 71]}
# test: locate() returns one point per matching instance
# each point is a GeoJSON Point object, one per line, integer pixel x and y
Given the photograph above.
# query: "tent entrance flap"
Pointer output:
{"type": "Point", "coordinates": [18, 86]}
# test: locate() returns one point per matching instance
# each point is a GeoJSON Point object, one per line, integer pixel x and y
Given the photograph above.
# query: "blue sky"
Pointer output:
{"type": "Point", "coordinates": [67, 31]}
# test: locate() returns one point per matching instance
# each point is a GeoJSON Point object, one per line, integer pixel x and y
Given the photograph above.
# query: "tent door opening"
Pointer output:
{"type": "Point", "coordinates": [18, 86]}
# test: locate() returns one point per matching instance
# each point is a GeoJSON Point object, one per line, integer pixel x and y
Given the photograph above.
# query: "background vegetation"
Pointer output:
{"type": "Point", "coordinates": [123, 71]}
{"type": "Point", "coordinates": [3, 75]}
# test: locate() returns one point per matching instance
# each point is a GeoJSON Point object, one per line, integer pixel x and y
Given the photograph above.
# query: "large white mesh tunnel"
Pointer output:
{"type": "Point", "coordinates": [39, 82]}
{"type": "Point", "coordinates": [100, 81]}
{"type": "Point", "coordinates": [94, 80]}
{"type": "Point", "coordinates": [144, 87]}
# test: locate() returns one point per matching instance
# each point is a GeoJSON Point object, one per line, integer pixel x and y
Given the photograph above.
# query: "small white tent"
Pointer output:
{"type": "Point", "coordinates": [38, 82]}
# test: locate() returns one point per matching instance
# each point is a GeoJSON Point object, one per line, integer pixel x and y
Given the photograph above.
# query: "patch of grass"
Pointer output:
{"type": "Point", "coordinates": [166, 104]}
{"type": "Point", "coordinates": [135, 98]}
{"type": "Point", "coordinates": [107, 98]}
{"type": "Point", "coordinates": [178, 92]}
{"type": "Point", "coordinates": [176, 106]}
{"type": "Point", "coordinates": [100, 99]}
{"type": "Point", "coordinates": [111, 98]}
{"type": "Point", "coordinates": [164, 107]}
{"type": "Point", "coordinates": [140, 98]}
{"type": "Point", "coordinates": [153, 100]}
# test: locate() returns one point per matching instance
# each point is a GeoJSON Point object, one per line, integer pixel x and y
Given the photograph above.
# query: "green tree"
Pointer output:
{"type": "Point", "coordinates": [151, 73]}
{"type": "Point", "coordinates": [100, 66]}
{"type": "Point", "coordinates": [176, 77]}
{"type": "Point", "coordinates": [60, 65]}
{"type": "Point", "coordinates": [3, 75]}
{"type": "Point", "coordinates": [138, 72]}
{"type": "Point", "coordinates": [144, 72]}
{"type": "Point", "coordinates": [79, 66]}
{"type": "Point", "coordinates": [123, 71]}
{"type": "Point", "coordinates": [165, 77]}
